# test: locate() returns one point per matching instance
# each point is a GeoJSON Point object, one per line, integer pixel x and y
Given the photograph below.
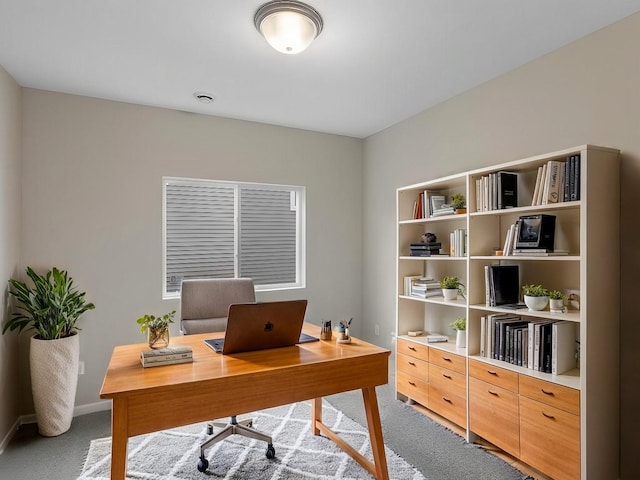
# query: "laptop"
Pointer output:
{"type": "Point", "coordinates": [260, 326]}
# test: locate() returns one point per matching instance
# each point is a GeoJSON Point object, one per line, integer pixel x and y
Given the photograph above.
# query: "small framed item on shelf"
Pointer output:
{"type": "Point", "coordinates": [536, 231]}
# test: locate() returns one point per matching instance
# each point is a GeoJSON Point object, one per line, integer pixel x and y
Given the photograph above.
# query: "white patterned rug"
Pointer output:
{"type": "Point", "coordinates": [174, 454]}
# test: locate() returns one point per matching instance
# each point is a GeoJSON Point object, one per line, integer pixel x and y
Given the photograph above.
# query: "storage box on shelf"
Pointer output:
{"type": "Point", "coordinates": [503, 401]}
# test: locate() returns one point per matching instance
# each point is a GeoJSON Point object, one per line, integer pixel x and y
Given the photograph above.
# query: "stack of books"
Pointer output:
{"type": "Point", "coordinates": [424, 287]}
{"type": "Point", "coordinates": [425, 249]}
{"type": "Point", "coordinates": [497, 191]}
{"type": "Point", "coordinates": [166, 356]}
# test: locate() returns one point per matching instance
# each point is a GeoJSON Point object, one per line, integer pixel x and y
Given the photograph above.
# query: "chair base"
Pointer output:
{"type": "Point", "coordinates": [234, 428]}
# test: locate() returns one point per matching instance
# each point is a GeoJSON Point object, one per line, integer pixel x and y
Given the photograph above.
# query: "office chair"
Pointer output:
{"type": "Point", "coordinates": [204, 305]}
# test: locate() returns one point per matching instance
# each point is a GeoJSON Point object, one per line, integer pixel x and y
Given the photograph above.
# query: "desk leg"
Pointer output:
{"type": "Point", "coordinates": [377, 468]}
{"type": "Point", "coordinates": [375, 432]}
{"type": "Point", "coordinates": [316, 414]}
{"type": "Point", "coordinates": [119, 438]}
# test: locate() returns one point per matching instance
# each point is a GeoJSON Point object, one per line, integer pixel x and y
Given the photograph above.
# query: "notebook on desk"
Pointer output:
{"type": "Point", "coordinates": [260, 326]}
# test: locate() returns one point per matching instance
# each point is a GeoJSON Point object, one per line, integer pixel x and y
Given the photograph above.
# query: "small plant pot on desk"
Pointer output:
{"type": "Point", "coordinates": [158, 337]}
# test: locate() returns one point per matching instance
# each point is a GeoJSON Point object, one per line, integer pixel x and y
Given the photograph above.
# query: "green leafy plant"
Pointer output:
{"type": "Point", "coordinates": [535, 291]}
{"type": "Point", "coordinates": [451, 282]}
{"type": "Point", "coordinates": [458, 200]}
{"type": "Point", "coordinates": [460, 324]}
{"type": "Point", "coordinates": [152, 322]}
{"type": "Point", "coordinates": [51, 308]}
{"type": "Point", "coordinates": [556, 295]}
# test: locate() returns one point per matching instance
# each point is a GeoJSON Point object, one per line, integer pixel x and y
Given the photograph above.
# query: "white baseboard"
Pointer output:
{"type": "Point", "coordinates": [31, 418]}
{"type": "Point", "coordinates": [7, 438]}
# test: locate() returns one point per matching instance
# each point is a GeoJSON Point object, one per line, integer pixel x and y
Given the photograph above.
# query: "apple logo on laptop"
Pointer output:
{"type": "Point", "coordinates": [268, 327]}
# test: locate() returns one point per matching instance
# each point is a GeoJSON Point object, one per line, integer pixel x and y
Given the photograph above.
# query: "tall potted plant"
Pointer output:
{"type": "Point", "coordinates": [51, 308]}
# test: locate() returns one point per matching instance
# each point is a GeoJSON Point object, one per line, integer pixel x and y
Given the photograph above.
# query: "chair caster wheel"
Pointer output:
{"type": "Point", "coordinates": [209, 429]}
{"type": "Point", "coordinates": [271, 452]}
{"type": "Point", "coordinates": [203, 464]}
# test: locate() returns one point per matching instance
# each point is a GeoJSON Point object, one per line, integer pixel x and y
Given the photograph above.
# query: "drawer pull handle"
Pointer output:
{"type": "Point", "coordinates": [412, 364]}
{"type": "Point", "coordinates": [412, 348]}
{"type": "Point", "coordinates": [545, 392]}
{"type": "Point", "coordinates": [491, 372]}
{"type": "Point", "coordinates": [493, 393]}
{"type": "Point", "coordinates": [446, 376]}
{"type": "Point", "coordinates": [446, 399]}
{"type": "Point", "coordinates": [446, 359]}
{"type": "Point", "coordinates": [548, 416]}
{"type": "Point", "coordinates": [412, 384]}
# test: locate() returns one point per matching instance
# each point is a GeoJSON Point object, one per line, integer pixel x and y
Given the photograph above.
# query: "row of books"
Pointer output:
{"type": "Point", "coordinates": [166, 356]}
{"type": "Point", "coordinates": [458, 243]}
{"type": "Point", "coordinates": [558, 181]}
{"type": "Point", "coordinates": [497, 191]}
{"type": "Point", "coordinates": [421, 287]}
{"type": "Point", "coordinates": [542, 345]}
{"type": "Point", "coordinates": [431, 204]}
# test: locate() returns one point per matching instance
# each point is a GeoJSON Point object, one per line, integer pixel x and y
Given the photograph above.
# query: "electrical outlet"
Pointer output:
{"type": "Point", "coordinates": [81, 367]}
{"type": "Point", "coordinates": [377, 330]}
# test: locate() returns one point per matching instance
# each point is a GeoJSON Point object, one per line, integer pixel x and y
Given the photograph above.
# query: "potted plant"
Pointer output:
{"type": "Point", "coordinates": [459, 203]}
{"type": "Point", "coordinates": [556, 301]}
{"type": "Point", "coordinates": [157, 329]}
{"type": "Point", "coordinates": [460, 325]}
{"type": "Point", "coordinates": [536, 297]}
{"type": "Point", "coordinates": [451, 287]}
{"type": "Point", "coordinates": [51, 308]}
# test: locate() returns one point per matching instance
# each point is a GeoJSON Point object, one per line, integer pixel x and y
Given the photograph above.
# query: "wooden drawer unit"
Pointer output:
{"type": "Point", "coordinates": [447, 381]}
{"type": "Point", "coordinates": [413, 388]}
{"type": "Point", "coordinates": [564, 398]}
{"type": "Point", "coordinates": [413, 349]}
{"type": "Point", "coordinates": [412, 366]}
{"type": "Point", "coordinates": [448, 360]}
{"type": "Point", "coordinates": [549, 439]}
{"type": "Point", "coordinates": [493, 414]}
{"type": "Point", "coordinates": [494, 375]}
{"type": "Point", "coordinates": [449, 406]}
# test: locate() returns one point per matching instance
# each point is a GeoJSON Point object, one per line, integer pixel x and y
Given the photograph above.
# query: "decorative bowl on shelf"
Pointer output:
{"type": "Point", "coordinates": [535, 303]}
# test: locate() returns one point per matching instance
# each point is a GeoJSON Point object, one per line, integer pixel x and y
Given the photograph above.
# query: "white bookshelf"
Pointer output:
{"type": "Point", "coordinates": [588, 229]}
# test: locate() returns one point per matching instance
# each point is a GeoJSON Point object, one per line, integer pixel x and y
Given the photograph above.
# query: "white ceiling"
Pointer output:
{"type": "Point", "coordinates": [376, 62]}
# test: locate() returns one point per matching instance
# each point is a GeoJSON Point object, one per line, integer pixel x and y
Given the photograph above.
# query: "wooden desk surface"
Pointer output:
{"type": "Point", "coordinates": [238, 383]}
{"type": "Point", "coordinates": [215, 386]}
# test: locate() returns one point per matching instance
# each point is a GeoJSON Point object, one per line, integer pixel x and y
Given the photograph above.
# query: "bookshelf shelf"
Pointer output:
{"type": "Point", "coordinates": [592, 386]}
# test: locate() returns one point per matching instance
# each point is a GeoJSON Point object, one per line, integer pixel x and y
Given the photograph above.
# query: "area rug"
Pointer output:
{"type": "Point", "coordinates": [173, 454]}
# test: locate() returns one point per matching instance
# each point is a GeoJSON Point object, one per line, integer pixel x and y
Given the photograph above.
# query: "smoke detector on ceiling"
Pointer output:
{"type": "Point", "coordinates": [203, 97]}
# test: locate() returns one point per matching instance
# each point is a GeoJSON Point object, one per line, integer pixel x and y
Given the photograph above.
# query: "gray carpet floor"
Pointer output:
{"type": "Point", "coordinates": [436, 451]}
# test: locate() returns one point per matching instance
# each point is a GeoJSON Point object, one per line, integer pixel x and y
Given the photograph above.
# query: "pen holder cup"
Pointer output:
{"type": "Point", "coordinates": [325, 332]}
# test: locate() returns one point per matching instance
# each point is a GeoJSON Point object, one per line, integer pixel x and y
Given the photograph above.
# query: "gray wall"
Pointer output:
{"type": "Point", "coordinates": [10, 131]}
{"type": "Point", "coordinates": [92, 204]}
{"type": "Point", "coordinates": [587, 92]}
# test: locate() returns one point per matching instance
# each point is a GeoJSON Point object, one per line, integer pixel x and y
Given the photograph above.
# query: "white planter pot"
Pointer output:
{"type": "Point", "coordinates": [450, 293]}
{"type": "Point", "coordinates": [461, 339]}
{"type": "Point", "coordinates": [54, 379]}
{"type": "Point", "coordinates": [536, 303]}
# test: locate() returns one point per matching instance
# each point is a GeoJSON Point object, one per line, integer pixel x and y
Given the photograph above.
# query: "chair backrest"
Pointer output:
{"type": "Point", "coordinates": [204, 303]}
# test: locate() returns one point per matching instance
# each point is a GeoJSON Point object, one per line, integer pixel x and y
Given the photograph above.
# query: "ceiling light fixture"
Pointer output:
{"type": "Point", "coordinates": [288, 26]}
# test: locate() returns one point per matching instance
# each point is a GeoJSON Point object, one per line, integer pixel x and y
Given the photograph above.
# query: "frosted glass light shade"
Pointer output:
{"type": "Point", "coordinates": [288, 26]}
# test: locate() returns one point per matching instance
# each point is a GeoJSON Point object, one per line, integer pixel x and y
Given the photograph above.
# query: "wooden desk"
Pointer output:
{"type": "Point", "coordinates": [214, 386]}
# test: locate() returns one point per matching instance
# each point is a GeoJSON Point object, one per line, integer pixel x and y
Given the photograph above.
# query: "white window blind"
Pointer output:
{"type": "Point", "coordinates": [222, 229]}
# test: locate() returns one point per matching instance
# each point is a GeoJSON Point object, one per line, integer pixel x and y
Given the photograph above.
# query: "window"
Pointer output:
{"type": "Point", "coordinates": [215, 229]}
